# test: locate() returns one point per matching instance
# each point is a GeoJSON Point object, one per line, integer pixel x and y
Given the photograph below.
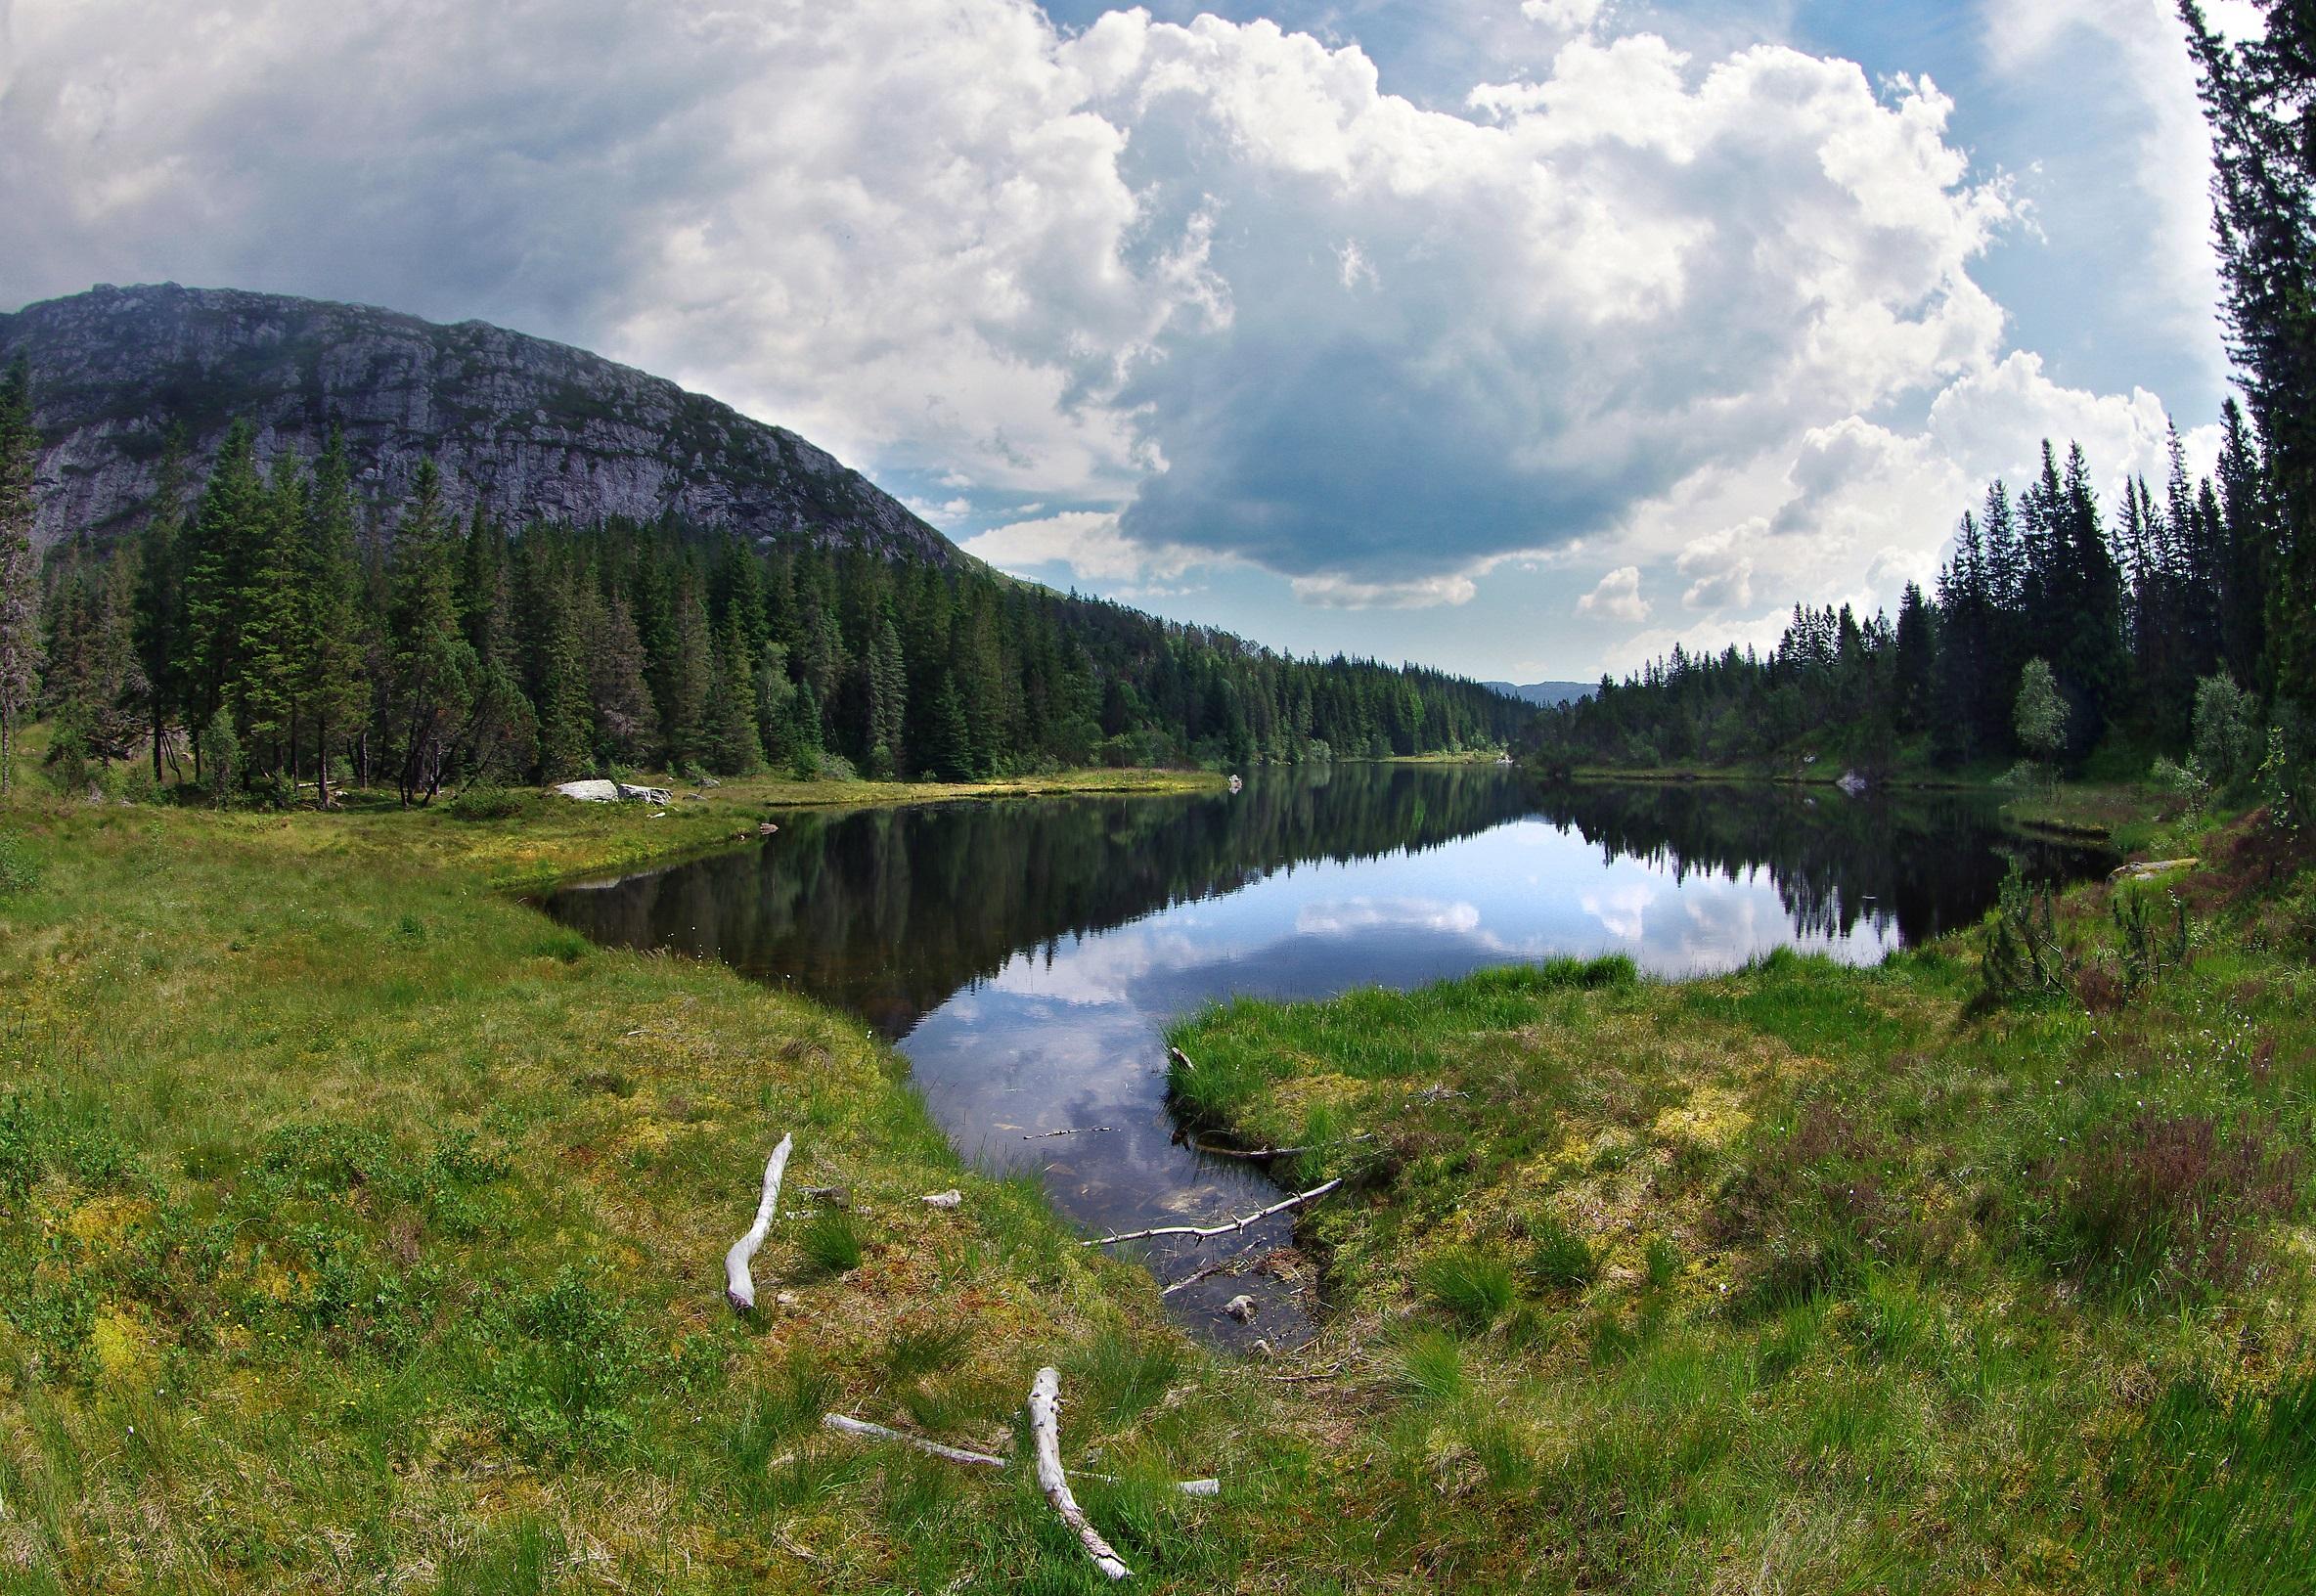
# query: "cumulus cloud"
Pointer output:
{"type": "Point", "coordinates": [1617, 596]}
{"type": "Point", "coordinates": [1208, 289]}
{"type": "Point", "coordinates": [1086, 541]}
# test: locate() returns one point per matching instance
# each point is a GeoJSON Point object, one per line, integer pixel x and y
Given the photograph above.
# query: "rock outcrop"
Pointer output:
{"type": "Point", "coordinates": [533, 429]}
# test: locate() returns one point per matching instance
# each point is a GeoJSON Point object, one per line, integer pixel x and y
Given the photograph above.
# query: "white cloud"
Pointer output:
{"type": "Point", "coordinates": [2174, 145]}
{"type": "Point", "coordinates": [1208, 283]}
{"type": "Point", "coordinates": [1617, 596]}
{"type": "Point", "coordinates": [938, 235]}
{"type": "Point", "coordinates": [1086, 541]}
{"type": "Point", "coordinates": [1568, 14]}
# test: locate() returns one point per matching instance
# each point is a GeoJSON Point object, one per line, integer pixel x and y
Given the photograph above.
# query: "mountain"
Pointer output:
{"type": "Point", "coordinates": [533, 429]}
{"type": "Point", "coordinates": [1546, 694]}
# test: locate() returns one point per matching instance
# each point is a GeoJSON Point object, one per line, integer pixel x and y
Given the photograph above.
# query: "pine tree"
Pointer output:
{"type": "Point", "coordinates": [21, 646]}
{"type": "Point", "coordinates": [2258, 96]}
{"type": "Point", "coordinates": [275, 615]}
{"type": "Point", "coordinates": [433, 667]}
{"type": "Point", "coordinates": [625, 723]}
{"type": "Point", "coordinates": [160, 595]}
{"type": "Point", "coordinates": [330, 675]}
{"type": "Point", "coordinates": [217, 558]}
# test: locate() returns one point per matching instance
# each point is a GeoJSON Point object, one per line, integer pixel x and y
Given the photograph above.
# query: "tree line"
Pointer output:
{"type": "Point", "coordinates": [270, 632]}
{"type": "Point", "coordinates": [2179, 623]}
{"type": "Point", "coordinates": [2127, 616]}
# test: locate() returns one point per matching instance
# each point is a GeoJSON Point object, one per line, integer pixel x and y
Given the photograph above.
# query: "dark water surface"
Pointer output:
{"type": "Point", "coordinates": [1027, 955]}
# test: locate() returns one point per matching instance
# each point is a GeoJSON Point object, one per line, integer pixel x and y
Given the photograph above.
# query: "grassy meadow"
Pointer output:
{"type": "Point", "coordinates": [1816, 1278]}
{"type": "Point", "coordinates": [363, 1232]}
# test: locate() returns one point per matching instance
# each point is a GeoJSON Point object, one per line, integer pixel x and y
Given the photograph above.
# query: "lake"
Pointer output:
{"type": "Point", "coordinates": [1027, 955]}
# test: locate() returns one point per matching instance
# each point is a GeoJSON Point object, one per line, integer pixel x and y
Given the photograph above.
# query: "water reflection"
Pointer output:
{"type": "Point", "coordinates": [1026, 955]}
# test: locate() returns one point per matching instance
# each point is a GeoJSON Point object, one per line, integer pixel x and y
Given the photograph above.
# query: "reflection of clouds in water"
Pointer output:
{"type": "Point", "coordinates": [1345, 915]}
{"type": "Point", "coordinates": [1623, 911]}
{"type": "Point", "coordinates": [1103, 968]}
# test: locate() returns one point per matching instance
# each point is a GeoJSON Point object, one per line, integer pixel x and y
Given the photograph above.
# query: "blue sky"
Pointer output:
{"type": "Point", "coordinates": [1521, 337]}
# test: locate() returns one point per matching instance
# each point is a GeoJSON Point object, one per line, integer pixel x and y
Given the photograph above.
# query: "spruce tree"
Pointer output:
{"type": "Point", "coordinates": [2260, 98]}
{"type": "Point", "coordinates": [21, 646]}
{"type": "Point", "coordinates": [433, 667]}
{"type": "Point", "coordinates": [160, 595]}
{"type": "Point", "coordinates": [331, 680]}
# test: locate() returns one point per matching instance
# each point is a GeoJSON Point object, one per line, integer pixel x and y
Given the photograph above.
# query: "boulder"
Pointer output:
{"type": "Point", "coordinates": [599, 791]}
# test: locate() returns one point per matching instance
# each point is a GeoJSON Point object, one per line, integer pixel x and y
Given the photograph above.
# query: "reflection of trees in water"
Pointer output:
{"type": "Point", "coordinates": [1929, 863]}
{"type": "Point", "coordinates": [889, 911]}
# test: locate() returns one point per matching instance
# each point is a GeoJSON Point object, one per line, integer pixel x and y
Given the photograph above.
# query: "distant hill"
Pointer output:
{"type": "Point", "coordinates": [536, 430]}
{"type": "Point", "coordinates": [1546, 694]}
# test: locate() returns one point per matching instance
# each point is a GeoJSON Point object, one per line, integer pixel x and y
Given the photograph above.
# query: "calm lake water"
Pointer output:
{"type": "Point", "coordinates": [1027, 955]}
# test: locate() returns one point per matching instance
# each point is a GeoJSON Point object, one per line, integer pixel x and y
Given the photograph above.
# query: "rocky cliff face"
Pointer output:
{"type": "Point", "coordinates": [534, 430]}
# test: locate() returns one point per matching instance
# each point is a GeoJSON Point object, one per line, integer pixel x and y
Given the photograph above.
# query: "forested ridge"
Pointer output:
{"type": "Point", "coordinates": [2178, 624]}
{"type": "Point", "coordinates": [269, 631]}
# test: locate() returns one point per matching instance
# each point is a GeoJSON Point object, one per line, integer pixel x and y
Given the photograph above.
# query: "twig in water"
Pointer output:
{"type": "Point", "coordinates": [1224, 1230]}
{"type": "Point", "coordinates": [1078, 1130]}
{"type": "Point", "coordinates": [1257, 1154]}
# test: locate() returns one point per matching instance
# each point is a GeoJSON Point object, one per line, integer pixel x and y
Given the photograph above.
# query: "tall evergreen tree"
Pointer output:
{"type": "Point", "coordinates": [434, 665]}
{"type": "Point", "coordinates": [2260, 98]}
{"type": "Point", "coordinates": [21, 646]}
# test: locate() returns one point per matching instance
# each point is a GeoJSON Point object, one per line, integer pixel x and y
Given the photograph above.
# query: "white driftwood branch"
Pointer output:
{"type": "Point", "coordinates": [739, 1286]}
{"type": "Point", "coordinates": [1260, 1154]}
{"type": "Point", "coordinates": [1182, 1058]}
{"type": "Point", "coordinates": [1225, 1229]}
{"type": "Point", "coordinates": [864, 1429]}
{"type": "Point", "coordinates": [1044, 1428]}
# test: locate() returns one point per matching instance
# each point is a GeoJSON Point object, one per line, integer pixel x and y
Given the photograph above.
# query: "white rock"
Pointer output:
{"type": "Point", "coordinates": [1241, 1308]}
{"type": "Point", "coordinates": [952, 1198]}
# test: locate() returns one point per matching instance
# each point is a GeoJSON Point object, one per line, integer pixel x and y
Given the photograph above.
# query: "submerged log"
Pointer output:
{"type": "Point", "coordinates": [1223, 1230]}
{"type": "Point", "coordinates": [739, 1286]}
{"type": "Point", "coordinates": [1044, 1429]}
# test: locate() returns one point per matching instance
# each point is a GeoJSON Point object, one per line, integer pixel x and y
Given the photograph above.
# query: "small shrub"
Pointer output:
{"type": "Point", "coordinates": [2167, 1202]}
{"type": "Point", "coordinates": [2227, 732]}
{"type": "Point", "coordinates": [2025, 956]}
{"type": "Point", "coordinates": [20, 872]}
{"type": "Point", "coordinates": [1558, 1258]}
{"type": "Point", "coordinates": [2288, 773]}
{"type": "Point", "coordinates": [566, 1360]}
{"type": "Point", "coordinates": [831, 1243]}
{"type": "Point", "coordinates": [487, 802]}
{"type": "Point", "coordinates": [2185, 782]}
{"type": "Point", "coordinates": [2147, 949]}
{"type": "Point", "coordinates": [1473, 1286]}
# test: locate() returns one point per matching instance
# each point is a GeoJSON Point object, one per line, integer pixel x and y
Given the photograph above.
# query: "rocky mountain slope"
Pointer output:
{"type": "Point", "coordinates": [535, 430]}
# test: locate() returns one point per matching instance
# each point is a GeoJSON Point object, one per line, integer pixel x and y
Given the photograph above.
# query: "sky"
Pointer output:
{"type": "Point", "coordinates": [1521, 337]}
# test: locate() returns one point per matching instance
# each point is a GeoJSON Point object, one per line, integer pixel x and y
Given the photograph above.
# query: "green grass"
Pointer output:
{"type": "Point", "coordinates": [1821, 1279]}
{"type": "Point", "coordinates": [363, 1232]}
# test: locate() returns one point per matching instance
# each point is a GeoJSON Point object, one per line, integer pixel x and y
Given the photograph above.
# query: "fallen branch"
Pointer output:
{"type": "Point", "coordinates": [864, 1429]}
{"type": "Point", "coordinates": [1078, 1130]}
{"type": "Point", "coordinates": [1182, 1058]}
{"type": "Point", "coordinates": [739, 1286]}
{"type": "Point", "coordinates": [1044, 1428]}
{"type": "Point", "coordinates": [1257, 1154]}
{"type": "Point", "coordinates": [1204, 1233]}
